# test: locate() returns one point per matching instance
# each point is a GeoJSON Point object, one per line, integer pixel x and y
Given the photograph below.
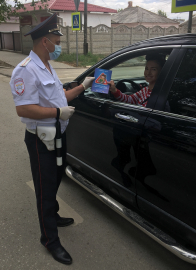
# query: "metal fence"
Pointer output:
{"type": "Point", "coordinates": [10, 41]}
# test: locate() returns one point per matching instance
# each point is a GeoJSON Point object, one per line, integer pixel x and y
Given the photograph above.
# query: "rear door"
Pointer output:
{"type": "Point", "coordinates": [166, 174]}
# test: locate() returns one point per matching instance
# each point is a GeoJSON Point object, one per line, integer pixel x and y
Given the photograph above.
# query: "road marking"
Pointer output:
{"type": "Point", "coordinates": [65, 209]}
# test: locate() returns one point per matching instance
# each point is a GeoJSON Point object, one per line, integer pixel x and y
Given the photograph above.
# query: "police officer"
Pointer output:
{"type": "Point", "coordinates": [40, 100]}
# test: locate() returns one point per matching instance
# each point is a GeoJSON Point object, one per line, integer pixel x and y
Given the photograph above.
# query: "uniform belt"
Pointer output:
{"type": "Point", "coordinates": [33, 131]}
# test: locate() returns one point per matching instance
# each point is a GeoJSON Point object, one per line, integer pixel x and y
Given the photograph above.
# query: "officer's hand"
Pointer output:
{"type": "Point", "coordinates": [66, 112]}
{"type": "Point", "coordinates": [112, 86]}
{"type": "Point", "coordinates": [88, 82]}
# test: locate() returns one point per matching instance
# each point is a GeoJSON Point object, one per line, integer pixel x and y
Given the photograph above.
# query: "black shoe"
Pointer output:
{"type": "Point", "coordinates": [61, 255]}
{"type": "Point", "coordinates": [62, 222]}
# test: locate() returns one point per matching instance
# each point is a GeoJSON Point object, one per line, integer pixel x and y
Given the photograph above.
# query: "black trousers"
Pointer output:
{"type": "Point", "coordinates": [47, 178]}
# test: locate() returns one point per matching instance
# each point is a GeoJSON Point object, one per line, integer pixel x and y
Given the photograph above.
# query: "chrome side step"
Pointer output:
{"type": "Point", "coordinates": [158, 235]}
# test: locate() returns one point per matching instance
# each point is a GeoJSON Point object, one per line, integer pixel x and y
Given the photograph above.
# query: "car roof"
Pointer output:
{"type": "Point", "coordinates": [186, 39]}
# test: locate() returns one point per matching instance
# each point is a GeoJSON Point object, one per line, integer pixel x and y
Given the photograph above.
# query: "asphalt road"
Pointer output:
{"type": "Point", "coordinates": [68, 75]}
{"type": "Point", "coordinates": [99, 238]}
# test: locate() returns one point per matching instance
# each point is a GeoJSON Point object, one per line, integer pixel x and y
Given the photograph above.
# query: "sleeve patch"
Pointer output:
{"type": "Point", "coordinates": [19, 86]}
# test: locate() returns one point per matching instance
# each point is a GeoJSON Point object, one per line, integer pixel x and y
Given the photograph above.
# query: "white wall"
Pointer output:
{"type": "Point", "coordinates": [93, 19]}
{"type": "Point", "coordinates": [36, 19]}
{"type": "Point", "coordinates": [7, 27]}
{"type": "Point", "coordinates": [96, 19]}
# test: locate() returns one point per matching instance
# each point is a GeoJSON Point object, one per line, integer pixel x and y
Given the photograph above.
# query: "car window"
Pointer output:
{"type": "Point", "coordinates": [128, 77]}
{"type": "Point", "coordinates": [131, 68]}
{"type": "Point", "coordinates": [182, 96]}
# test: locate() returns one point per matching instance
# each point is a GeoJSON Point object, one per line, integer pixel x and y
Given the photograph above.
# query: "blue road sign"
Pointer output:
{"type": "Point", "coordinates": [76, 22]}
{"type": "Point", "coordinates": [182, 3]}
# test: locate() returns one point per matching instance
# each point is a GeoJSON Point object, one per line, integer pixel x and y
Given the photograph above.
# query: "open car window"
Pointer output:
{"type": "Point", "coordinates": [131, 68]}
{"type": "Point", "coordinates": [128, 76]}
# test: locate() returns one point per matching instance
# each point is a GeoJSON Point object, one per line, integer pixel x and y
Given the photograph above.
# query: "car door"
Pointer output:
{"type": "Point", "coordinates": [103, 134]}
{"type": "Point", "coordinates": [166, 173]}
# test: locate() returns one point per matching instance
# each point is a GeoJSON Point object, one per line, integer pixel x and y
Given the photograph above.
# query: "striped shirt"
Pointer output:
{"type": "Point", "coordinates": [139, 98]}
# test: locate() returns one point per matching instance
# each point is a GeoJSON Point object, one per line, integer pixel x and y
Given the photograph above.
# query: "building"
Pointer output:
{"type": "Point", "coordinates": [96, 14]}
{"type": "Point", "coordinates": [179, 20]}
{"type": "Point", "coordinates": [184, 26]}
{"type": "Point", "coordinates": [10, 34]}
{"type": "Point", "coordinates": [12, 24]}
{"type": "Point", "coordinates": [134, 16]}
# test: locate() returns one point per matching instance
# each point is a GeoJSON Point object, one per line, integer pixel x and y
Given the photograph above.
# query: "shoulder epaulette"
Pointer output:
{"type": "Point", "coordinates": [25, 62]}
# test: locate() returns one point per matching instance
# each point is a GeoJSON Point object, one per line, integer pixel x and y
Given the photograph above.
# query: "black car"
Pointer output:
{"type": "Point", "coordinates": [141, 161]}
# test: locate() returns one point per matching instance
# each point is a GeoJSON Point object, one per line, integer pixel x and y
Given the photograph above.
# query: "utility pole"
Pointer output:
{"type": "Point", "coordinates": [85, 28]}
{"type": "Point", "coordinates": [77, 2]}
{"type": "Point", "coordinates": [190, 21]}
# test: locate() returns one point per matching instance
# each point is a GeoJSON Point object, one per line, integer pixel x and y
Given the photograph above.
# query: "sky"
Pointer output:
{"type": "Point", "coordinates": [152, 5]}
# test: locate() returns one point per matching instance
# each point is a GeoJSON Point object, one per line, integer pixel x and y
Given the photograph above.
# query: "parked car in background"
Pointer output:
{"type": "Point", "coordinates": [141, 161]}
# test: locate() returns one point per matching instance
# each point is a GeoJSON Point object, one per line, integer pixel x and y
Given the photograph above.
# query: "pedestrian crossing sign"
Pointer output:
{"type": "Point", "coordinates": [183, 5]}
{"type": "Point", "coordinates": [76, 21]}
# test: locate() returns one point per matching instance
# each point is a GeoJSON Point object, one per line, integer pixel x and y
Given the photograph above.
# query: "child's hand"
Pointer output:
{"type": "Point", "coordinates": [112, 87]}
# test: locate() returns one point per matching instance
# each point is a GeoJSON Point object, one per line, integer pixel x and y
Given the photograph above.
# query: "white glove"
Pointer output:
{"type": "Point", "coordinates": [87, 82]}
{"type": "Point", "coordinates": [66, 112]}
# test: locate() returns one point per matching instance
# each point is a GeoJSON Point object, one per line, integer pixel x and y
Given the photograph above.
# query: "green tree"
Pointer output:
{"type": "Point", "coordinates": [162, 13]}
{"type": "Point", "coordinates": [7, 10]}
{"type": "Point", "coordinates": [120, 9]}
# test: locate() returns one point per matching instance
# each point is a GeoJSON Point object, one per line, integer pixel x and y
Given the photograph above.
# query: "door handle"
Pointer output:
{"type": "Point", "coordinates": [128, 118]}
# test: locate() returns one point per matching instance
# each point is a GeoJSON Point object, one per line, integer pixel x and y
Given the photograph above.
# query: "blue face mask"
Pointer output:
{"type": "Point", "coordinates": [57, 51]}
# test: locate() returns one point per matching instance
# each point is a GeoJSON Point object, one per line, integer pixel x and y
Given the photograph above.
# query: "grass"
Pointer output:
{"type": "Point", "coordinates": [83, 60]}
